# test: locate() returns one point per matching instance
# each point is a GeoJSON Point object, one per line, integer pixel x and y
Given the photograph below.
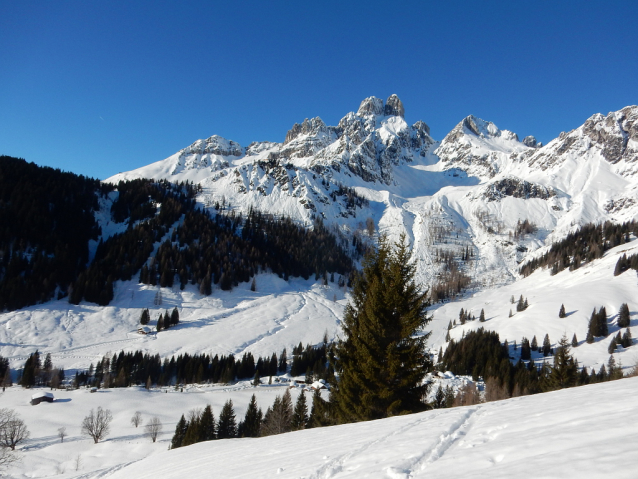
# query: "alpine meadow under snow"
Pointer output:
{"type": "Point", "coordinates": [475, 207]}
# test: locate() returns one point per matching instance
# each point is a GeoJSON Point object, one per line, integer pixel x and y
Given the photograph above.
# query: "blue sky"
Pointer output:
{"type": "Point", "coordinates": [99, 87]}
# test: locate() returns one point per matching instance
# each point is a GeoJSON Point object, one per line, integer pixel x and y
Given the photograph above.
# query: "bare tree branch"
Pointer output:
{"type": "Point", "coordinates": [153, 428]}
{"type": "Point", "coordinates": [96, 425]}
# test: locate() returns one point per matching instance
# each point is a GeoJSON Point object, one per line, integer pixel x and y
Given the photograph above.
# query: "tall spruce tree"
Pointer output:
{"type": "Point", "coordinates": [251, 424]}
{"type": "Point", "coordinates": [300, 414]}
{"type": "Point", "coordinates": [207, 424]}
{"type": "Point", "coordinates": [180, 432]}
{"type": "Point", "coordinates": [320, 412]}
{"type": "Point", "coordinates": [381, 361]}
{"type": "Point", "coordinates": [227, 426]}
{"type": "Point", "coordinates": [561, 311]}
{"type": "Point", "coordinates": [623, 316]}
{"type": "Point", "coordinates": [534, 345]}
{"type": "Point", "coordinates": [564, 372]}
{"type": "Point", "coordinates": [547, 345]}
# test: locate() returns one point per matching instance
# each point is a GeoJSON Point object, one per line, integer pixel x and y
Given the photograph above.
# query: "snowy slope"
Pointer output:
{"type": "Point", "coordinates": [580, 432]}
{"type": "Point", "coordinates": [278, 315]}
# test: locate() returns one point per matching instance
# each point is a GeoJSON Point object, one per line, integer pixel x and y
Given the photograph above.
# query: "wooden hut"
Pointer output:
{"type": "Point", "coordinates": [37, 398]}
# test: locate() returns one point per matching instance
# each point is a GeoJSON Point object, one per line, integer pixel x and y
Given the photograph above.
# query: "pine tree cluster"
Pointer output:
{"type": "Point", "coordinates": [126, 369]}
{"type": "Point", "coordinates": [625, 263]}
{"type": "Point", "coordinates": [586, 244]}
{"type": "Point", "coordinates": [46, 222]}
{"type": "Point", "coordinates": [225, 250]}
{"type": "Point", "coordinates": [597, 325]}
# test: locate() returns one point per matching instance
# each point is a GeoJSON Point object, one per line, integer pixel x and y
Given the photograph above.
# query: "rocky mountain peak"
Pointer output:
{"type": "Point", "coordinates": [307, 127]}
{"type": "Point", "coordinates": [394, 107]}
{"type": "Point", "coordinates": [215, 145]}
{"type": "Point", "coordinates": [371, 106]}
{"type": "Point", "coordinates": [531, 142]}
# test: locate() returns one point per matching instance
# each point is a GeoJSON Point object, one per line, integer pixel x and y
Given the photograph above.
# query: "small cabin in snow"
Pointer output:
{"type": "Point", "coordinates": [37, 398]}
{"type": "Point", "coordinates": [319, 384]}
{"type": "Point", "coordinates": [144, 330]}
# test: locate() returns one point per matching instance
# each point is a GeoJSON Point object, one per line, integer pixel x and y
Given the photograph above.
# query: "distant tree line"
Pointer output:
{"type": "Point", "coordinates": [126, 369]}
{"type": "Point", "coordinates": [586, 244]}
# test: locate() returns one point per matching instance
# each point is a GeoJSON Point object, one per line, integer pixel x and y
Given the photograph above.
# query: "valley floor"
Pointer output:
{"type": "Point", "coordinates": [580, 432]}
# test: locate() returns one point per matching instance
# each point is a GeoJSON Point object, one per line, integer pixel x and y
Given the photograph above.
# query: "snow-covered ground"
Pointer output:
{"type": "Point", "coordinates": [579, 432]}
{"type": "Point", "coordinates": [279, 314]}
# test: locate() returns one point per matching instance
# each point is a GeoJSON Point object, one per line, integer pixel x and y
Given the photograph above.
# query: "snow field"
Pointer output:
{"type": "Point", "coordinates": [44, 455]}
{"type": "Point", "coordinates": [569, 433]}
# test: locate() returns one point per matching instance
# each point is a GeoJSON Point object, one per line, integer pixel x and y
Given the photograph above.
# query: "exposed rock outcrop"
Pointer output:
{"type": "Point", "coordinates": [516, 188]}
{"type": "Point", "coordinates": [394, 107]}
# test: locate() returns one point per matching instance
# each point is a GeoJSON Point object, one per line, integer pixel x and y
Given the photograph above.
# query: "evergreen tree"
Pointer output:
{"type": "Point", "coordinates": [320, 413]}
{"type": "Point", "coordinates": [626, 339]}
{"type": "Point", "coordinates": [526, 350]}
{"type": "Point", "coordinates": [602, 322]}
{"type": "Point", "coordinates": [381, 361]}
{"type": "Point", "coordinates": [534, 345]}
{"type": "Point", "coordinates": [145, 318]}
{"type": "Point", "coordinates": [227, 427]}
{"type": "Point", "coordinates": [449, 396]}
{"type": "Point", "coordinates": [283, 362]}
{"type": "Point", "coordinates": [160, 323]}
{"type": "Point", "coordinates": [300, 414]}
{"type": "Point", "coordinates": [278, 418]}
{"type": "Point", "coordinates": [547, 346]}
{"type": "Point", "coordinates": [561, 311]}
{"type": "Point", "coordinates": [602, 374]}
{"type": "Point", "coordinates": [612, 346]}
{"type": "Point", "coordinates": [564, 372]}
{"type": "Point", "coordinates": [251, 425]}
{"type": "Point", "coordinates": [439, 399]}
{"type": "Point", "coordinates": [574, 341]}
{"type": "Point", "coordinates": [482, 316]}
{"type": "Point", "coordinates": [256, 380]}
{"type": "Point", "coordinates": [613, 371]}
{"type": "Point", "coordinates": [174, 316]}
{"type": "Point", "coordinates": [521, 304]}
{"type": "Point", "coordinates": [623, 316]}
{"type": "Point", "coordinates": [207, 424]}
{"type": "Point", "coordinates": [193, 433]}
{"type": "Point", "coordinates": [180, 432]}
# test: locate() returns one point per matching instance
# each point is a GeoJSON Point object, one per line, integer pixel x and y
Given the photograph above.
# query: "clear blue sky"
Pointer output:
{"type": "Point", "coordinates": [99, 87]}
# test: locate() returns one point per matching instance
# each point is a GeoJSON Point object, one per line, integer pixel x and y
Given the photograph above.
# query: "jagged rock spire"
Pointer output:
{"type": "Point", "coordinates": [371, 106]}
{"type": "Point", "coordinates": [394, 106]}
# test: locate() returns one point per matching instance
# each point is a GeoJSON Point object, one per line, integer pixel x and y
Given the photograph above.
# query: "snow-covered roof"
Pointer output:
{"type": "Point", "coordinates": [42, 395]}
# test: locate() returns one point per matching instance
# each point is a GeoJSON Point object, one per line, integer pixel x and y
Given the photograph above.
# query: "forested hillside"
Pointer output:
{"type": "Point", "coordinates": [46, 222]}
{"type": "Point", "coordinates": [48, 217]}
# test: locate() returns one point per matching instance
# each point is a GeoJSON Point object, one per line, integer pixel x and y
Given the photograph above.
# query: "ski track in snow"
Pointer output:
{"type": "Point", "coordinates": [280, 325]}
{"type": "Point", "coordinates": [338, 464]}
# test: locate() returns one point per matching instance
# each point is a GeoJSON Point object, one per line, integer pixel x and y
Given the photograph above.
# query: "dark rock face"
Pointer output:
{"type": "Point", "coordinates": [531, 142]}
{"type": "Point", "coordinates": [517, 188]}
{"type": "Point", "coordinates": [394, 107]}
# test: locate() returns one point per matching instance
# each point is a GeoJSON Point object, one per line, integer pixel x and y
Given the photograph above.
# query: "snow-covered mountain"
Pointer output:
{"type": "Point", "coordinates": [467, 192]}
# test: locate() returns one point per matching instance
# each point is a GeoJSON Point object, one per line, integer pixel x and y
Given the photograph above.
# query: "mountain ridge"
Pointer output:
{"type": "Point", "coordinates": [476, 184]}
